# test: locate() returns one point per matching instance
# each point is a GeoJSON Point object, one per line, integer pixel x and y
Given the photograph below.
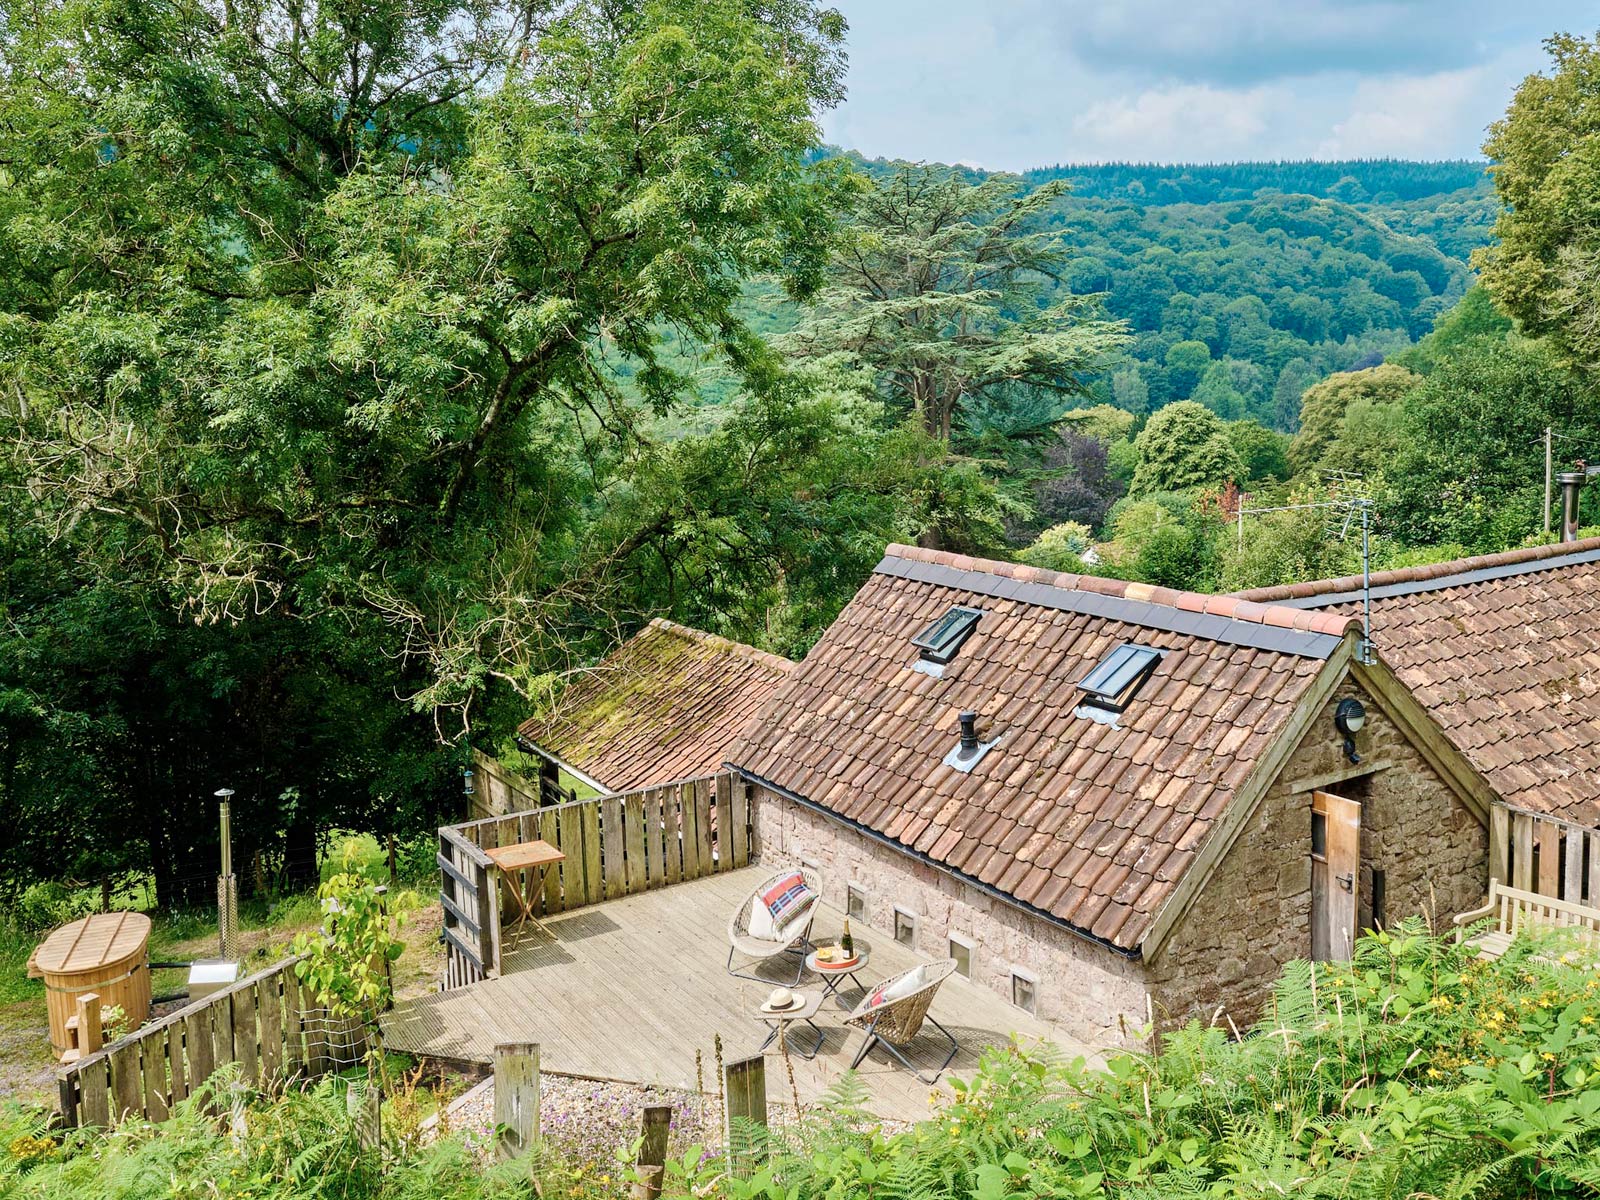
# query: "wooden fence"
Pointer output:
{"type": "Point", "coordinates": [262, 1023]}
{"type": "Point", "coordinates": [1544, 854]}
{"type": "Point", "coordinates": [615, 846]}
{"type": "Point", "coordinates": [497, 792]}
{"type": "Point", "coordinates": [470, 902]}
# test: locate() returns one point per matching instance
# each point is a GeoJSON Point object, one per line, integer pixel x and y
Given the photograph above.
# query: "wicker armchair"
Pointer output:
{"type": "Point", "coordinates": [893, 1024]}
{"type": "Point", "coordinates": [794, 938]}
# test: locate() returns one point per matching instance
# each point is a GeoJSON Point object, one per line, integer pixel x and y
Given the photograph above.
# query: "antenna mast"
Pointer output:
{"type": "Point", "coordinates": [1365, 652]}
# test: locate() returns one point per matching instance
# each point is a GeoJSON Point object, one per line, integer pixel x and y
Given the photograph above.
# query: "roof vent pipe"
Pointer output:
{"type": "Point", "coordinates": [969, 734]}
{"type": "Point", "coordinates": [1571, 490]}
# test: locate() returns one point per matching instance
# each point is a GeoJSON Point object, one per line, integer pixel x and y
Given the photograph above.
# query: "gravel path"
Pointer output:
{"type": "Point", "coordinates": [584, 1123]}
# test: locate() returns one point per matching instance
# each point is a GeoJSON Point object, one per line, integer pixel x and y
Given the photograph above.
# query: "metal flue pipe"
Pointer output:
{"type": "Point", "coordinates": [227, 883]}
{"type": "Point", "coordinates": [1571, 492]}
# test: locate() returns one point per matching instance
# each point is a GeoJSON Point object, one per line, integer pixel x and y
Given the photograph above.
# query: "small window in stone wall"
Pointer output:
{"type": "Point", "coordinates": [905, 927]}
{"type": "Point", "coordinates": [1024, 992]}
{"type": "Point", "coordinates": [961, 951]}
{"type": "Point", "coordinates": [855, 903]}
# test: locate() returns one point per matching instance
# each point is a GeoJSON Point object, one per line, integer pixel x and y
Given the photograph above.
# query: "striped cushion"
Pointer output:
{"type": "Point", "coordinates": [786, 897]}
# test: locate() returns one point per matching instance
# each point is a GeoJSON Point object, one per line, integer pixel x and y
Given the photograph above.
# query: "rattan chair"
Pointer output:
{"type": "Point", "coordinates": [795, 937]}
{"type": "Point", "coordinates": [893, 1024]}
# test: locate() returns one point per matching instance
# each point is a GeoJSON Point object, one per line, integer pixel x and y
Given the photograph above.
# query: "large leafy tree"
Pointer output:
{"type": "Point", "coordinates": [1324, 406]}
{"type": "Point", "coordinates": [938, 295]}
{"type": "Point", "coordinates": [1469, 465]}
{"type": "Point", "coordinates": [1182, 447]}
{"type": "Point", "coordinates": [311, 321]}
{"type": "Point", "coordinates": [1544, 268]}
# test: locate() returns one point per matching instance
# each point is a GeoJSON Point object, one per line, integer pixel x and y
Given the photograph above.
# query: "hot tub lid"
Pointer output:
{"type": "Point", "coordinates": [93, 943]}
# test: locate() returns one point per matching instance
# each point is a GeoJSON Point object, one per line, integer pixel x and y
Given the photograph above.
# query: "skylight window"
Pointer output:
{"type": "Point", "coordinates": [940, 641]}
{"type": "Point", "coordinates": [1113, 684]}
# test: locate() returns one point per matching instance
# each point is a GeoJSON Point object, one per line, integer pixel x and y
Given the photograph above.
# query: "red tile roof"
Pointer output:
{"type": "Point", "coordinates": [663, 706]}
{"type": "Point", "coordinates": [1504, 650]}
{"type": "Point", "coordinates": [1087, 822]}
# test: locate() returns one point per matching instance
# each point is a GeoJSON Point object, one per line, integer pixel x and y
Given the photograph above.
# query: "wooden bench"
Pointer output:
{"type": "Point", "coordinates": [1517, 911]}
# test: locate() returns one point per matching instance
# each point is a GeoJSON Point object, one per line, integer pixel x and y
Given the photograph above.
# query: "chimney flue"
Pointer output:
{"type": "Point", "coordinates": [1571, 491]}
{"type": "Point", "coordinates": [969, 734]}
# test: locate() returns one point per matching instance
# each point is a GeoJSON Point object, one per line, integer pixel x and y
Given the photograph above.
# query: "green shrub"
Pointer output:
{"type": "Point", "coordinates": [296, 1147]}
{"type": "Point", "coordinates": [1417, 1070]}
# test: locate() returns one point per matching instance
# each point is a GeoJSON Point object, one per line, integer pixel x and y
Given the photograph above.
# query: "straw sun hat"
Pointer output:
{"type": "Point", "coordinates": [783, 1000]}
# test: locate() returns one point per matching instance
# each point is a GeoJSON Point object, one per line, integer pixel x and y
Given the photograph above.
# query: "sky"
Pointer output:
{"type": "Point", "coordinates": [1011, 84]}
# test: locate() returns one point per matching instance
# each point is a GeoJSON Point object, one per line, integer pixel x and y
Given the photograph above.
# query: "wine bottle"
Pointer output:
{"type": "Point", "coordinates": [847, 943]}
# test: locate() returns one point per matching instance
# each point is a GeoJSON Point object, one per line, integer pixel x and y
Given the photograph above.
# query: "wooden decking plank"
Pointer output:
{"type": "Point", "coordinates": [632, 988]}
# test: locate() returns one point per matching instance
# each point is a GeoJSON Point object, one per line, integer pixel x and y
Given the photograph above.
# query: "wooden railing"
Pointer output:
{"type": "Point", "coordinates": [615, 846]}
{"type": "Point", "coordinates": [1540, 853]}
{"type": "Point", "coordinates": [497, 792]}
{"type": "Point", "coordinates": [469, 900]}
{"type": "Point", "coordinates": [263, 1023]}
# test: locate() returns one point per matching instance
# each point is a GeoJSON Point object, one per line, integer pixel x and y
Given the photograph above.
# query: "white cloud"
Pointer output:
{"type": "Point", "coordinates": [1170, 123]}
{"type": "Point", "coordinates": [1014, 84]}
{"type": "Point", "coordinates": [1405, 117]}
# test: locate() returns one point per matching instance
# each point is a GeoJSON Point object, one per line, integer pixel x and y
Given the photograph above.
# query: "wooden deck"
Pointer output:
{"type": "Point", "coordinates": [630, 989]}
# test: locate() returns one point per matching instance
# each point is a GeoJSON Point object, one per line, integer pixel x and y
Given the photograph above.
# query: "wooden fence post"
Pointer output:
{"type": "Point", "coordinates": [516, 1098]}
{"type": "Point", "coordinates": [90, 1036]}
{"type": "Point", "coordinates": [654, 1126]}
{"type": "Point", "coordinates": [744, 1085]}
{"type": "Point", "coordinates": [364, 1103]}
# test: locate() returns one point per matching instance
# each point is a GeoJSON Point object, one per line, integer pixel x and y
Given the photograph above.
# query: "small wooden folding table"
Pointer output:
{"type": "Point", "coordinates": [525, 856]}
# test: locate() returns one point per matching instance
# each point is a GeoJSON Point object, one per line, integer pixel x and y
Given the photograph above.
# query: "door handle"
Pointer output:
{"type": "Point", "coordinates": [1347, 882]}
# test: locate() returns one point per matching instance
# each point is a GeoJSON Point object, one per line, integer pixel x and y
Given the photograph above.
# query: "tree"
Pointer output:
{"type": "Point", "coordinates": [1470, 463]}
{"type": "Point", "coordinates": [1293, 380]}
{"type": "Point", "coordinates": [938, 291]}
{"type": "Point", "coordinates": [1287, 547]}
{"type": "Point", "coordinates": [1130, 390]}
{"type": "Point", "coordinates": [308, 377]}
{"type": "Point", "coordinates": [1472, 317]}
{"type": "Point", "coordinates": [1077, 485]}
{"type": "Point", "coordinates": [1545, 265]}
{"type": "Point", "coordinates": [1323, 407]}
{"type": "Point", "coordinates": [1263, 452]}
{"type": "Point", "coordinates": [1060, 547]}
{"type": "Point", "coordinates": [1186, 363]}
{"type": "Point", "coordinates": [1184, 446]}
{"type": "Point", "coordinates": [1166, 539]}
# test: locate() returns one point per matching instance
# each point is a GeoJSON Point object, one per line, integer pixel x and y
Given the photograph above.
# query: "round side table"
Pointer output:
{"type": "Point", "coordinates": [833, 975]}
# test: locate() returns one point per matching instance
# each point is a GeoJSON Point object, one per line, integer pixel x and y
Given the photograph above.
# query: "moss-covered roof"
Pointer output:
{"type": "Point", "coordinates": [665, 705]}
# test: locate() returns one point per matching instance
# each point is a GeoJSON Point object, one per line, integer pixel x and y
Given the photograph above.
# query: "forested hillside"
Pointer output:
{"type": "Point", "coordinates": [1243, 283]}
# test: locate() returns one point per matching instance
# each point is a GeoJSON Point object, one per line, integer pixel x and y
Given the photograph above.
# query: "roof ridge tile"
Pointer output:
{"type": "Point", "coordinates": [743, 649]}
{"type": "Point", "coordinates": [1244, 608]}
{"type": "Point", "coordinates": [1423, 572]}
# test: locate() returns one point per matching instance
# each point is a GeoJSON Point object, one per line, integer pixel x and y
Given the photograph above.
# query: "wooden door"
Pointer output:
{"type": "Point", "coordinates": [1335, 875]}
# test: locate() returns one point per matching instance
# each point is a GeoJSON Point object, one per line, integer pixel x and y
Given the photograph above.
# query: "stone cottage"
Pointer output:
{"type": "Point", "coordinates": [662, 707]}
{"type": "Point", "coordinates": [1108, 800]}
{"type": "Point", "coordinates": [1504, 651]}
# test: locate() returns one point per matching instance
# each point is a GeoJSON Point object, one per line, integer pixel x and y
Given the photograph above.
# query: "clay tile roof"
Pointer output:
{"type": "Point", "coordinates": [665, 705]}
{"type": "Point", "coordinates": [1088, 823]}
{"type": "Point", "coordinates": [1504, 650]}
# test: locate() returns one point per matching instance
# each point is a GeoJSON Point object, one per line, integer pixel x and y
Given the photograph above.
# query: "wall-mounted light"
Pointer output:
{"type": "Point", "coordinates": [1348, 718]}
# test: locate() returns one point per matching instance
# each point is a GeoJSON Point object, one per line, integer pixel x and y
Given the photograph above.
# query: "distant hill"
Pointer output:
{"type": "Point", "coordinates": [1380, 180]}
{"type": "Point", "coordinates": [1265, 276]}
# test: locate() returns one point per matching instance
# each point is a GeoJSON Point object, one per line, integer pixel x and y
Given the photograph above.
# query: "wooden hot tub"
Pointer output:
{"type": "Point", "coordinates": [108, 954]}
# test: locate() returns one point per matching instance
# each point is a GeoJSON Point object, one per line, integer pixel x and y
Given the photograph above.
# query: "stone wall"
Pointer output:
{"type": "Point", "coordinates": [1254, 914]}
{"type": "Point", "coordinates": [1094, 994]}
